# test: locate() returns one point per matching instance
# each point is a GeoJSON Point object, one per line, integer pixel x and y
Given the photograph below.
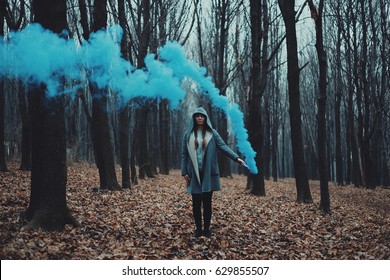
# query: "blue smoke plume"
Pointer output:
{"type": "Point", "coordinates": [36, 55]}
{"type": "Point", "coordinates": [173, 55]}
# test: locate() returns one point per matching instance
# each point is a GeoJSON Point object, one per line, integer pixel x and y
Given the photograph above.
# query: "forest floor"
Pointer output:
{"type": "Point", "coordinates": [153, 220]}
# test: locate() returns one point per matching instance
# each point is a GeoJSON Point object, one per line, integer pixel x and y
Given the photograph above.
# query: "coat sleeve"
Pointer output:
{"type": "Point", "coordinates": [223, 147]}
{"type": "Point", "coordinates": [184, 155]}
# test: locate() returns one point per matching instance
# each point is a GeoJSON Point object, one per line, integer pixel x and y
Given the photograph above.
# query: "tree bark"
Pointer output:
{"type": "Point", "coordinates": [222, 11]}
{"type": "Point", "coordinates": [256, 181]}
{"type": "Point", "coordinates": [124, 146]}
{"type": "Point", "coordinates": [141, 131]}
{"type": "Point", "coordinates": [3, 165]}
{"type": "Point", "coordinates": [164, 136]}
{"type": "Point", "coordinates": [104, 154]}
{"type": "Point", "coordinates": [354, 86]}
{"type": "Point", "coordinates": [317, 15]}
{"type": "Point", "coordinates": [275, 127]}
{"type": "Point", "coordinates": [385, 54]}
{"type": "Point", "coordinates": [368, 164]}
{"type": "Point", "coordinates": [124, 110]}
{"type": "Point", "coordinates": [143, 156]}
{"type": "Point", "coordinates": [14, 24]}
{"type": "Point", "coordinates": [25, 163]}
{"type": "Point", "coordinates": [84, 19]}
{"type": "Point", "coordinates": [338, 95]}
{"type": "Point", "coordinates": [267, 138]}
{"type": "Point", "coordinates": [48, 208]}
{"type": "Point", "coordinates": [302, 183]}
{"type": "Point", "coordinates": [199, 32]}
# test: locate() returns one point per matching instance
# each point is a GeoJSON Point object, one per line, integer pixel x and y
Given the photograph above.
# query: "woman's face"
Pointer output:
{"type": "Point", "coordinates": [200, 119]}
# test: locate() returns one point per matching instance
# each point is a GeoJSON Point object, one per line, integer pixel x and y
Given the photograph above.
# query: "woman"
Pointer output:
{"type": "Point", "coordinates": [199, 166]}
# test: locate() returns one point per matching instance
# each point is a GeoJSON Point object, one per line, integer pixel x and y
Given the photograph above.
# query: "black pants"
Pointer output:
{"type": "Point", "coordinates": [197, 200]}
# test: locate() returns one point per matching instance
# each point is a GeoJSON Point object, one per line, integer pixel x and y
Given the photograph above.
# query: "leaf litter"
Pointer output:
{"type": "Point", "coordinates": [153, 220]}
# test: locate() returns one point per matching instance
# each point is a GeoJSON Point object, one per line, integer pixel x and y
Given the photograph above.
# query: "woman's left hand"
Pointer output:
{"type": "Point", "coordinates": [241, 162]}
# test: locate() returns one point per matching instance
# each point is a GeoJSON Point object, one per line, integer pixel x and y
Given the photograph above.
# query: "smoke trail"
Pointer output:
{"type": "Point", "coordinates": [173, 55]}
{"type": "Point", "coordinates": [36, 55]}
{"type": "Point", "coordinates": [102, 54]}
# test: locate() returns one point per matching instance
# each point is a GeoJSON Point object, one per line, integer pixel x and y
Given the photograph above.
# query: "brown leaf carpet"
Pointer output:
{"type": "Point", "coordinates": [153, 220]}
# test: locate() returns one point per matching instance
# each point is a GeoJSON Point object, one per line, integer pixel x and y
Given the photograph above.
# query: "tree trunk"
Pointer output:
{"type": "Point", "coordinates": [199, 33]}
{"type": "Point", "coordinates": [25, 163]}
{"type": "Point", "coordinates": [124, 110]}
{"type": "Point", "coordinates": [368, 164]}
{"type": "Point", "coordinates": [256, 181]}
{"type": "Point", "coordinates": [302, 183]}
{"type": "Point", "coordinates": [385, 54]}
{"type": "Point", "coordinates": [153, 138]}
{"type": "Point", "coordinates": [267, 138]}
{"type": "Point", "coordinates": [321, 104]}
{"type": "Point", "coordinates": [14, 24]}
{"type": "Point", "coordinates": [48, 208]}
{"type": "Point", "coordinates": [3, 166]}
{"type": "Point", "coordinates": [141, 129]}
{"type": "Point", "coordinates": [141, 133]}
{"type": "Point", "coordinates": [133, 156]}
{"type": "Point", "coordinates": [354, 86]}
{"type": "Point", "coordinates": [84, 19]}
{"type": "Point", "coordinates": [164, 136]}
{"type": "Point", "coordinates": [104, 154]}
{"type": "Point", "coordinates": [374, 148]}
{"type": "Point", "coordinates": [124, 146]}
{"type": "Point", "coordinates": [163, 106]}
{"type": "Point", "coordinates": [222, 11]}
{"type": "Point", "coordinates": [338, 95]}
{"type": "Point", "coordinates": [275, 125]}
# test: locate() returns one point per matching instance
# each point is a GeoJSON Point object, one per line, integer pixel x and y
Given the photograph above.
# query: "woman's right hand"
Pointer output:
{"type": "Point", "coordinates": [187, 179]}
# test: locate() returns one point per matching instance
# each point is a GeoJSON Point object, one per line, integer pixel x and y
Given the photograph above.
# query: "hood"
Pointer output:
{"type": "Point", "coordinates": [191, 123]}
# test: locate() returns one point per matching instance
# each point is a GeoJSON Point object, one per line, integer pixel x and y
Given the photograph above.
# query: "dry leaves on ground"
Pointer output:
{"type": "Point", "coordinates": [153, 220]}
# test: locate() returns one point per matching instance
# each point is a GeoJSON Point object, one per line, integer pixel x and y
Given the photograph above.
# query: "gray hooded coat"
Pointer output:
{"type": "Point", "coordinates": [189, 163]}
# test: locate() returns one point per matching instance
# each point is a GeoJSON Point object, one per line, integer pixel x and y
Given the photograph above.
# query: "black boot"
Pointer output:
{"type": "Point", "coordinates": [207, 211]}
{"type": "Point", "coordinates": [207, 233]}
{"type": "Point", "coordinates": [197, 212]}
{"type": "Point", "coordinates": [198, 233]}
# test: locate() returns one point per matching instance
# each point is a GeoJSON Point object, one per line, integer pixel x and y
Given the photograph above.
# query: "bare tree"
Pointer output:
{"type": "Point", "coordinates": [317, 15]}
{"type": "Point", "coordinates": [48, 208]}
{"type": "Point", "coordinates": [338, 96]}
{"type": "Point", "coordinates": [124, 111]}
{"type": "Point", "coordinates": [302, 183]}
{"type": "Point", "coordinates": [140, 149]}
{"type": "Point", "coordinates": [15, 17]}
{"type": "Point", "coordinates": [104, 156]}
{"type": "Point", "coordinates": [254, 110]}
{"type": "Point", "coordinates": [223, 11]}
{"type": "Point", "coordinates": [384, 97]}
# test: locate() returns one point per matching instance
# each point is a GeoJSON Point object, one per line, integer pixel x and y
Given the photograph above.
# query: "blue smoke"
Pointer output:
{"type": "Point", "coordinates": [173, 55]}
{"type": "Point", "coordinates": [36, 55]}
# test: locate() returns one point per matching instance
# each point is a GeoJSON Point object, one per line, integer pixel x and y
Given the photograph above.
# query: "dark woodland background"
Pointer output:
{"type": "Point", "coordinates": [312, 79]}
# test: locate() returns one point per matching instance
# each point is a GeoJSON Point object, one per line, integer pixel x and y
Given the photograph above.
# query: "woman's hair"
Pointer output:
{"type": "Point", "coordinates": [203, 136]}
{"type": "Point", "coordinates": [204, 129]}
